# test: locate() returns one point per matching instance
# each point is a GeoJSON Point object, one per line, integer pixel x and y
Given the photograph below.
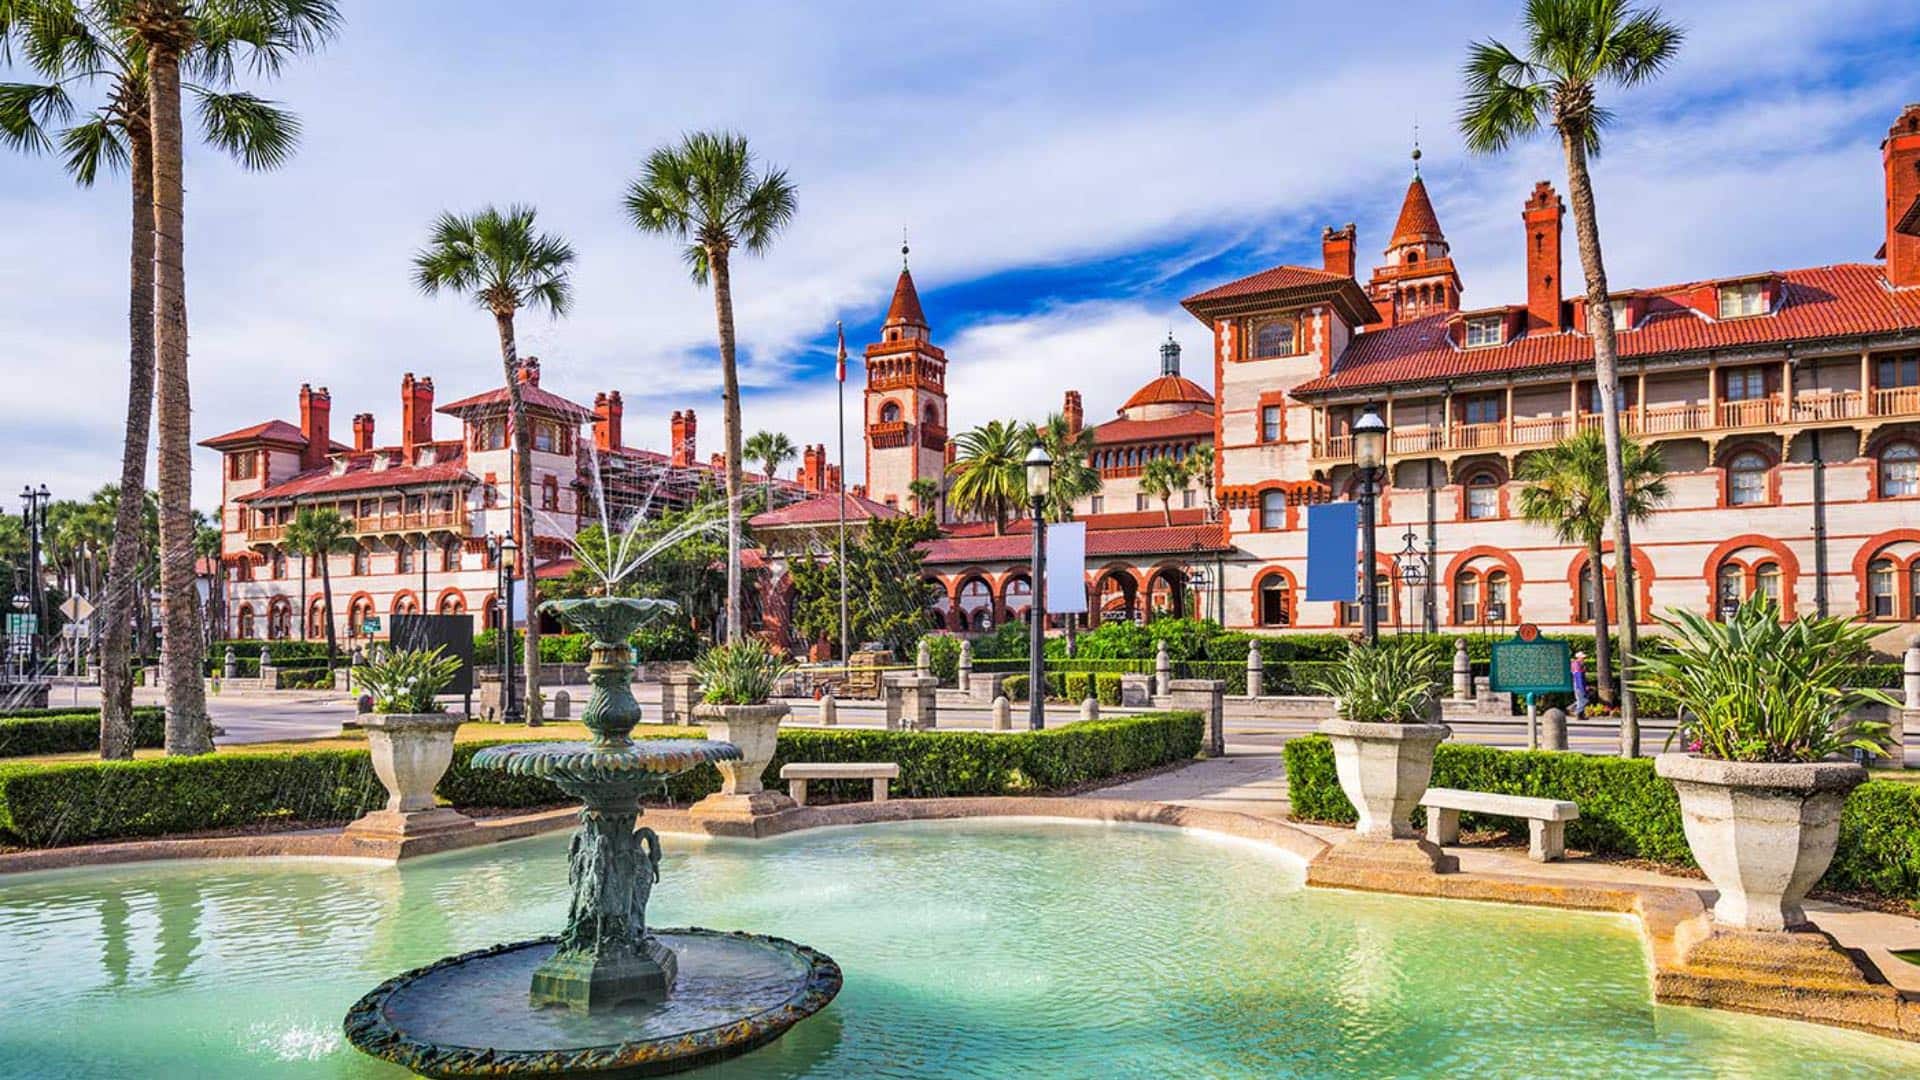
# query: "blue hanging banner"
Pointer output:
{"type": "Point", "coordinates": [1333, 550]}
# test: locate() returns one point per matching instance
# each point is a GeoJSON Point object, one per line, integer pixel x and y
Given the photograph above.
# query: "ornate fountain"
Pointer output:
{"type": "Point", "coordinates": [607, 996]}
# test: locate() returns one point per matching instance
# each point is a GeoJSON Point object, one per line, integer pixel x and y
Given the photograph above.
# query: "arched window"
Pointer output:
{"type": "Point", "coordinates": [1899, 471]}
{"type": "Point", "coordinates": [932, 415]}
{"type": "Point", "coordinates": [1913, 591]}
{"type": "Point", "coordinates": [1587, 595]}
{"type": "Point", "coordinates": [404, 604]}
{"type": "Point", "coordinates": [453, 604]}
{"type": "Point", "coordinates": [890, 413]}
{"type": "Point", "coordinates": [1273, 337]}
{"type": "Point", "coordinates": [1466, 598]}
{"type": "Point", "coordinates": [1729, 588]}
{"type": "Point", "coordinates": [1017, 596]}
{"type": "Point", "coordinates": [279, 564]}
{"type": "Point", "coordinates": [450, 556]}
{"type": "Point", "coordinates": [244, 624]}
{"type": "Point", "coordinates": [1766, 582]}
{"type": "Point", "coordinates": [1273, 510]}
{"type": "Point", "coordinates": [1351, 614]}
{"type": "Point", "coordinates": [362, 560]}
{"type": "Point", "coordinates": [317, 618]}
{"type": "Point", "coordinates": [1880, 587]}
{"type": "Point", "coordinates": [279, 619]}
{"type": "Point", "coordinates": [1747, 479]}
{"type": "Point", "coordinates": [358, 614]}
{"type": "Point", "coordinates": [1499, 597]}
{"type": "Point", "coordinates": [403, 558]}
{"type": "Point", "coordinates": [490, 614]}
{"type": "Point", "coordinates": [1483, 496]}
{"type": "Point", "coordinates": [1276, 601]}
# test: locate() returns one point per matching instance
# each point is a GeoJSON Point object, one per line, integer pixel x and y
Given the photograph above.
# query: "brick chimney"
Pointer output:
{"type": "Point", "coordinates": [677, 438]}
{"type": "Point", "coordinates": [1071, 409]}
{"type": "Point", "coordinates": [1543, 215]}
{"type": "Point", "coordinates": [607, 413]}
{"type": "Point", "coordinates": [1901, 154]}
{"type": "Point", "coordinates": [363, 431]}
{"type": "Point", "coordinates": [416, 414]}
{"type": "Point", "coordinates": [1336, 249]}
{"type": "Point", "coordinates": [530, 370]}
{"type": "Point", "coordinates": [316, 414]}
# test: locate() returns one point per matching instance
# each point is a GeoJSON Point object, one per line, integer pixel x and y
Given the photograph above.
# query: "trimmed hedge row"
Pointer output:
{"type": "Point", "coordinates": [1070, 686]}
{"type": "Point", "coordinates": [45, 805]}
{"type": "Point", "coordinates": [62, 731]}
{"type": "Point", "coordinates": [1626, 810]}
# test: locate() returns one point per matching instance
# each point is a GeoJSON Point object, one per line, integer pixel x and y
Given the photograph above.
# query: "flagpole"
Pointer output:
{"type": "Point", "coordinates": [841, 374]}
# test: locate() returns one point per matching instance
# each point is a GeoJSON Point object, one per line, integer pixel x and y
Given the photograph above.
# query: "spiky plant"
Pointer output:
{"type": "Point", "coordinates": [1387, 683]}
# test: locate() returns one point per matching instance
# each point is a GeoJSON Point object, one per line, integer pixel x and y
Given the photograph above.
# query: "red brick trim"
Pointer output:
{"type": "Point", "coordinates": [1872, 451]}
{"type": "Point", "coordinates": [1293, 595]}
{"type": "Point", "coordinates": [1902, 603]}
{"type": "Point", "coordinates": [1723, 554]}
{"type": "Point", "coordinates": [393, 605]}
{"type": "Point", "coordinates": [1733, 448]}
{"type": "Point", "coordinates": [1506, 561]}
{"type": "Point", "coordinates": [441, 600]}
{"type": "Point", "coordinates": [1276, 398]}
{"type": "Point", "coordinates": [1642, 580]}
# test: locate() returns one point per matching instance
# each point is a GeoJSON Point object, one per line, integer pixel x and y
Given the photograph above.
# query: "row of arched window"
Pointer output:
{"type": "Point", "coordinates": [1134, 457]}
{"type": "Point", "coordinates": [279, 625]}
{"type": "Point", "coordinates": [406, 560]}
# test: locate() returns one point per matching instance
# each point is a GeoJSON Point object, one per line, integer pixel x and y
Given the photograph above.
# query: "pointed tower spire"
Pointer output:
{"type": "Point", "coordinates": [905, 309]}
{"type": "Point", "coordinates": [1418, 224]}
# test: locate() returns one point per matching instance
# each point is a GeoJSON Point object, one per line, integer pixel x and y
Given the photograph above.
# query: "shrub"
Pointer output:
{"type": "Point", "coordinates": [743, 673]}
{"type": "Point", "coordinates": [1076, 685]}
{"type": "Point", "coordinates": [65, 731]}
{"type": "Point", "coordinates": [1014, 687]}
{"type": "Point", "coordinates": [943, 657]}
{"type": "Point", "coordinates": [1107, 688]}
{"type": "Point", "coordinates": [406, 680]}
{"type": "Point", "coordinates": [1383, 684]}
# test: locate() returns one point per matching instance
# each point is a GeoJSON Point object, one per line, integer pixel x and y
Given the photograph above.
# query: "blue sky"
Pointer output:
{"type": "Point", "coordinates": [1067, 172]}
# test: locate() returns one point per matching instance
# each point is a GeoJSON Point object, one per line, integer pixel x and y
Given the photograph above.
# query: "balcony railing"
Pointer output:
{"type": "Point", "coordinates": [1669, 418]}
{"type": "Point", "coordinates": [372, 524]}
{"type": "Point", "coordinates": [887, 433]}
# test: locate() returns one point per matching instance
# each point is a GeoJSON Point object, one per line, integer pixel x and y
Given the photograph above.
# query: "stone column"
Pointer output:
{"type": "Point", "coordinates": [1910, 675]}
{"type": "Point", "coordinates": [1462, 671]}
{"type": "Point", "coordinates": [269, 677]}
{"type": "Point", "coordinates": [679, 692]}
{"type": "Point", "coordinates": [1208, 698]}
{"type": "Point", "coordinates": [919, 708]}
{"type": "Point", "coordinates": [829, 711]}
{"type": "Point", "coordinates": [230, 665]}
{"type": "Point", "coordinates": [1256, 670]}
{"type": "Point", "coordinates": [923, 659]}
{"type": "Point", "coordinates": [965, 681]}
{"type": "Point", "coordinates": [1162, 671]}
{"type": "Point", "coordinates": [1553, 729]}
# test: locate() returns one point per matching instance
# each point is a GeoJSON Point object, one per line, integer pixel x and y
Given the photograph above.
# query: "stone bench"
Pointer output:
{"type": "Point", "coordinates": [797, 774]}
{"type": "Point", "coordinates": [1546, 818]}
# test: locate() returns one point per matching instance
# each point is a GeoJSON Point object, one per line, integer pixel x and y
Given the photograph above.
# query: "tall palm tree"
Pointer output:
{"type": "Point", "coordinates": [1074, 477]}
{"type": "Point", "coordinates": [704, 192]}
{"type": "Point", "coordinates": [989, 478]}
{"type": "Point", "coordinates": [1160, 479]}
{"type": "Point", "coordinates": [317, 533]}
{"type": "Point", "coordinates": [771, 449]}
{"type": "Point", "coordinates": [1566, 489]}
{"type": "Point", "coordinates": [1573, 48]}
{"type": "Point", "coordinates": [1200, 462]}
{"type": "Point", "coordinates": [926, 494]}
{"type": "Point", "coordinates": [498, 258]}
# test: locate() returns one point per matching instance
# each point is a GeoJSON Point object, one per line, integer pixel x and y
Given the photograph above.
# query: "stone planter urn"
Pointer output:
{"type": "Point", "coordinates": [1763, 833]}
{"type": "Point", "coordinates": [754, 729]}
{"type": "Point", "coordinates": [411, 752]}
{"type": "Point", "coordinates": [1384, 769]}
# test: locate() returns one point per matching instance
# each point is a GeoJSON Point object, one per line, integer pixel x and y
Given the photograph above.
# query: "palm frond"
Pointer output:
{"type": "Point", "coordinates": [1643, 47]}
{"type": "Point", "coordinates": [26, 111]}
{"type": "Point", "coordinates": [88, 145]}
{"type": "Point", "coordinates": [1506, 98]}
{"type": "Point", "coordinates": [252, 130]}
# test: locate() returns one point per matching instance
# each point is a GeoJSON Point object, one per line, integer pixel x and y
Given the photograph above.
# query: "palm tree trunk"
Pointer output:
{"type": "Point", "coordinates": [326, 607]}
{"type": "Point", "coordinates": [1602, 649]}
{"type": "Point", "coordinates": [118, 604]}
{"type": "Point", "coordinates": [523, 513]}
{"type": "Point", "coordinates": [1166, 509]}
{"type": "Point", "coordinates": [730, 417]}
{"type": "Point", "coordinates": [1606, 370]}
{"type": "Point", "coordinates": [188, 729]}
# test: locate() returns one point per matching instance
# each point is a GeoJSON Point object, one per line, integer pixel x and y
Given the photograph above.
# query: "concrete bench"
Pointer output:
{"type": "Point", "coordinates": [1546, 818]}
{"type": "Point", "coordinates": [797, 774]}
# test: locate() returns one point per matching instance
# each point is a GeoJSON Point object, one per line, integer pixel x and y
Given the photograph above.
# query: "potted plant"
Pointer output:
{"type": "Point", "coordinates": [1768, 714]}
{"type": "Point", "coordinates": [411, 738]}
{"type": "Point", "coordinates": [737, 683]}
{"type": "Point", "coordinates": [1384, 732]}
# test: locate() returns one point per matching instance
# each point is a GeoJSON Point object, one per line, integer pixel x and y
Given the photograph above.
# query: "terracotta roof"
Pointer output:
{"type": "Point", "coordinates": [271, 431]}
{"type": "Point", "coordinates": [556, 568]}
{"type": "Point", "coordinates": [1124, 430]}
{"type": "Point", "coordinates": [823, 510]}
{"type": "Point", "coordinates": [361, 476]}
{"type": "Point", "coordinates": [1169, 390]}
{"type": "Point", "coordinates": [905, 309]}
{"type": "Point", "coordinates": [1819, 303]}
{"type": "Point", "coordinates": [1418, 223]}
{"type": "Point", "coordinates": [1281, 284]}
{"type": "Point", "coordinates": [532, 396]}
{"type": "Point", "coordinates": [1155, 539]}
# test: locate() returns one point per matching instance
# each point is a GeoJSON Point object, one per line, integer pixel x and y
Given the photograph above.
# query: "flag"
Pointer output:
{"type": "Point", "coordinates": [840, 372]}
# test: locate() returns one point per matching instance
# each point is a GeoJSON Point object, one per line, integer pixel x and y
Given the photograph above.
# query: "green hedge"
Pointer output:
{"type": "Point", "coordinates": [64, 731]}
{"type": "Point", "coordinates": [44, 805]}
{"type": "Point", "coordinates": [1626, 810]}
{"type": "Point", "coordinates": [668, 640]}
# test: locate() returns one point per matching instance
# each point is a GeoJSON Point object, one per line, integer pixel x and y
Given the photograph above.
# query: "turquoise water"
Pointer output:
{"type": "Point", "coordinates": [971, 949]}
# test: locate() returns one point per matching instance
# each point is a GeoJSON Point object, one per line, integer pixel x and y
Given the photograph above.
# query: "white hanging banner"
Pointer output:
{"type": "Point", "coordinates": [1067, 567]}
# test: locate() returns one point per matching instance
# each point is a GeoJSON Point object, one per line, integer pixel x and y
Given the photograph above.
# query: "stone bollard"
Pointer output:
{"type": "Point", "coordinates": [965, 679]}
{"type": "Point", "coordinates": [829, 711]}
{"type": "Point", "coordinates": [919, 704]}
{"type": "Point", "coordinates": [562, 705]}
{"type": "Point", "coordinates": [1256, 670]}
{"type": "Point", "coordinates": [1208, 698]}
{"type": "Point", "coordinates": [1910, 675]}
{"type": "Point", "coordinates": [1553, 730]}
{"type": "Point", "coordinates": [1162, 671]}
{"type": "Point", "coordinates": [1090, 709]}
{"type": "Point", "coordinates": [1462, 671]}
{"type": "Point", "coordinates": [1002, 714]}
{"type": "Point", "coordinates": [230, 665]}
{"type": "Point", "coordinates": [678, 693]}
{"type": "Point", "coordinates": [269, 677]}
{"type": "Point", "coordinates": [923, 658]}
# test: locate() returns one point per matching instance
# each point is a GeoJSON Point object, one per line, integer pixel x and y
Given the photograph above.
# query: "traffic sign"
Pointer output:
{"type": "Point", "coordinates": [76, 608]}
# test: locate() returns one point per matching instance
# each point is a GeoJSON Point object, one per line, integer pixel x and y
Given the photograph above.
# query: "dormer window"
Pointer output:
{"type": "Point", "coordinates": [1742, 299]}
{"type": "Point", "coordinates": [1274, 337]}
{"type": "Point", "coordinates": [244, 465]}
{"type": "Point", "coordinates": [1622, 316]}
{"type": "Point", "coordinates": [489, 434]}
{"type": "Point", "coordinates": [1485, 330]}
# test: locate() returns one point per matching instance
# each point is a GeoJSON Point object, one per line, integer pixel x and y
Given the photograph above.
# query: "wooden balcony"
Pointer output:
{"type": "Point", "coordinates": [454, 520]}
{"type": "Point", "coordinates": [887, 434]}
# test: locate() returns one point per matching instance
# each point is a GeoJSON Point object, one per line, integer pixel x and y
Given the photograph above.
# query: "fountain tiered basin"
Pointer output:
{"type": "Point", "coordinates": [607, 996]}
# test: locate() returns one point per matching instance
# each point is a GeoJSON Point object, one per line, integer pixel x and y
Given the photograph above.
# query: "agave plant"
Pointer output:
{"type": "Point", "coordinates": [1756, 689]}
{"type": "Point", "coordinates": [1388, 683]}
{"type": "Point", "coordinates": [406, 680]}
{"type": "Point", "coordinates": [743, 673]}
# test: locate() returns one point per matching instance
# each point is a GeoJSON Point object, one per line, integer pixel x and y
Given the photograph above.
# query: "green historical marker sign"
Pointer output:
{"type": "Point", "coordinates": [1521, 666]}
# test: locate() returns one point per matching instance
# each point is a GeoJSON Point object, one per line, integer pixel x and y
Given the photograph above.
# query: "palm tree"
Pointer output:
{"type": "Point", "coordinates": [1200, 462]}
{"type": "Point", "coordinates": [499, 259]}
{"type": "Point", "coordinates": [1160, 479]}
{"type": "Point", "coordinates": [1566, 490]}
{"type": "Point", "coordinates": [926, 494]}
{"type": "Point", "coordinates": [317, 533]}
{"type": "Point", "coordinates": [705, 193]}
{"type": "Point", "coordinates": [989, 478]}
{"type": "Point", "coordinates": [772, 449]}
{"type": "Point", "coordinates": [1074, 477]}
{"type": "Point", "coordinates": [1573, 48]}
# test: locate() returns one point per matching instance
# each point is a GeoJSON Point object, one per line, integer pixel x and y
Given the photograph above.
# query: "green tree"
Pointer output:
{"type": "Point", "coordinates": [771, 449]}
{"type": "Point", "coordinates": [704, 192]}
{"type": "Point", "coordinates": [1160, 479]}
{"type": "Point", "coordinates": [1074, 477]}
{"type": "Point", "coordinates": [504, 263]}
{"type": "Point", "coordinates": [926, 494]}
{"type": "Point", "coordinates": [1565, 489]}
{"type": "Point", "coordinates": [988, 476]}
{"type": "Point", "coordinates": [1573, 48]}
{"type": "Point", "coordinates": [317, 533]}
{"type": "Point", "coordinates": [888, 587]}
{"type": "Point", "coordinates": [1200, 465]}
{"type": "Point", "coordinates": [687, 569]}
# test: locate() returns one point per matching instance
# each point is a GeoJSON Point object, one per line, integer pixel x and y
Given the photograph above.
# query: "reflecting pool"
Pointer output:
{"type": "Point", "coordinates": [971, 949]}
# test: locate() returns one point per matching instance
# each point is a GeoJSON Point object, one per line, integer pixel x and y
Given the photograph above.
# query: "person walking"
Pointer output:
{"type": "Point", "coordinates": [1580, 686]}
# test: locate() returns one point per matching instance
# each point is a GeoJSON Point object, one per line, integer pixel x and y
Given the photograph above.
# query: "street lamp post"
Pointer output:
{"type": "Point", "coordinates": [1039, 482]}
{"type": "Point", "coordinates": [1369, 454]}
{"type": "Point", "coordinates": [503, 550]}
{"type": "Point", "coordinates": [33, 513]}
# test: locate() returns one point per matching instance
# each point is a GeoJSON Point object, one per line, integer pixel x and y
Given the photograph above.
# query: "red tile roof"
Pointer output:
{"type": "Point", "coordinates": [1418, 223]}
{"type": "Point", "coordinates": [1282, 284]}
{"type": "Point", "coordinates": [1819, 303]}
{"type": "Point", "coordinates": [270, 431]}
{"type": "Point", "coordinates": [1169, 390]}
{"type": "Point", "coordinates": [905, 309]}
{"type": "Point", "coordinates": [361, 476]}
{"type": "Point", "coordinates": [1155, 539]}
{"type": "Point", "coordinates": [823, 510]}
{"type": "Point", "coordinates": [1124, 430]}
{"type": "Point", "coordinates": [532, 396]}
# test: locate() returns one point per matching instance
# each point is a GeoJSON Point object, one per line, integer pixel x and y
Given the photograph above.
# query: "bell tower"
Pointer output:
{"type": "Point", "coordinates": [905, 400]}
{"type": "Point", "coordinates": [1418, 278]}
